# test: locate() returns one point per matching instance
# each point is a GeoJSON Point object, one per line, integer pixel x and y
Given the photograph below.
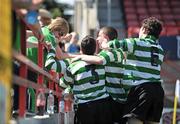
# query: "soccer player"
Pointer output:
{"type": "Point", "coordinates": [142, 72]}
{"type": "Point", "coordinates": [114, 75]}
{"type": "Point", "coordinates": [88, 82]}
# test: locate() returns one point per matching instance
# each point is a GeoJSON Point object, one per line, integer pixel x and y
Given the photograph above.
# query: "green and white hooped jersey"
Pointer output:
{"type": "Point", "coordinates": [54, 64]}
{"type": "Point", "coordinates": [87, 80]}
{"type": "Point", "coordinates": [114, 75]}
{"type": "Point", "coordinates": [144, 59]}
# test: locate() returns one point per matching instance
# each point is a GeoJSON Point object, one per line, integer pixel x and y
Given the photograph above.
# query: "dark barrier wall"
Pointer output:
{"type": "Point", "coordinates": [171, 46]}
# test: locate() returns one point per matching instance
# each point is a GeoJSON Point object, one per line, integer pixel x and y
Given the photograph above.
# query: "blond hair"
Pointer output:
{"type": "Point", "coordinates": [59, 24]}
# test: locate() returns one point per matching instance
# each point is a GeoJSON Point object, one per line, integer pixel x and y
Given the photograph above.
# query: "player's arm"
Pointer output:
{"type": "Point", "coordinates": [103, 57]}
{"type": "Point", "coordinates": [127, 45]}
{"type": "Point", "coordinates": [61, 55]}
{"type": "Point", "coordinates": [67, 79]}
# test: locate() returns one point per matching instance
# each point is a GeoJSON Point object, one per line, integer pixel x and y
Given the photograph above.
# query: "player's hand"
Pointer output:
{"type": "Point", "coordinates": [47, 45]}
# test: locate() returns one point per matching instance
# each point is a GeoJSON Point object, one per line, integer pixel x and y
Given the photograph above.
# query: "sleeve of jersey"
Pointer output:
{"type": "Point", "coordinates": [125, 44]}
{"type": "Point", "coordinates": [67, 79]}
{"type": "Point", "coordinates": [114, 55]}
{"type": "Point", "coordinates": [53, 64]}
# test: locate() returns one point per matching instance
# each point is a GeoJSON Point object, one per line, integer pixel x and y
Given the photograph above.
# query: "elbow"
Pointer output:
{"type": "Point", "coordinates": [99, 62]}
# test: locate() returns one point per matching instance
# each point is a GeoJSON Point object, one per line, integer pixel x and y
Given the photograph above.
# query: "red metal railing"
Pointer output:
{"type": "Point", "coordinates": [25, 63]}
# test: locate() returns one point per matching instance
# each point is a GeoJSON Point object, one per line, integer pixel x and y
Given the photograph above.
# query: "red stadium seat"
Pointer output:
{"type": "Point", "coordinates": [142, 10]}
{"type": "Point", "coordinates": [167, 17]}
{"type": "Point", "coordinates": [170, 23]}
{"type": "Point", "coordinates": [143, 16]}
{"type": "Point", "coordinates": [152, 3]}
{"type": "Point", "coordinates": [172, 31]}
{"type": "Point", "coordinates": [154, 10]}
{"type": "Point", "coordinates": [128, 3]}
{"type": "Point", "coordinates": [157, 16]}
{"type": "Point", "coordinates": [130, 16]}
{"type": "Point", "coordinates": [175, 3]}
{"type": "Point", "coordinates": [176, 10]}
{"type": "Point", "coordinates": [133, 31]}
{"type": "Point", "coordinates": [178, 23]}
{"type": "Point", "coordinates": [140, 3]}
{"type": "Point", "coordinates": [163, 32]}
{"type": "Point", "coordinates": [165, 10]}
{"type": "Point", "coordinates": [130, 10]}
{"type": "Point", "coordinates": [132, 23]}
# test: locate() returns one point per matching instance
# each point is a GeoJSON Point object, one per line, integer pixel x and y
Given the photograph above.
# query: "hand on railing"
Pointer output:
{"type": "Point", "coordinates": [47, 45]}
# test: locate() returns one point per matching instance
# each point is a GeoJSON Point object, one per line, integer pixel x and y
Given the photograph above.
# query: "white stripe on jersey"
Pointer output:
{"type": "Point", "coordinates": [88, 85]}
{"type": "Point", "coordinates": [146, 54]}
{"type": "Point", "coordinates": [117, 70]}
{"type": "Point", "coordinates": [130, 45]}
{"type": "Point", "coordinates": [135, 83]}
{"type": "Point", "coordinates": [113, 80]}
{"type": "Point", "coordinates": [116, 90]}
{"type": "Point", "coordinates": [141, 74]}
{"type": "Point", "coordinates": [88, 74]}
{"type": "Point", "coordinates": [142, 64]}
{"type": "Point", "coordinates": [84, 101]}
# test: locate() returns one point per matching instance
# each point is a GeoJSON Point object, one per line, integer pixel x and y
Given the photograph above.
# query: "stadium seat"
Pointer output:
{"type": "Point", "coordinates": [170, 23]}
{"type": "Point", "coordinates": [130, 16]}
{"type": "Point", "coordinates": [140, 3]}
{"type": "Point", "coordinates": [176, 10]}
{"type": "Point", "coordinates": [172, 31]}
{"type": "Point", "coordinates": [143, 16]}
{"type": "Point", "coordinates": [168, 17]}
{"type": "Point", "coordinates": [167, 11]}
{"type": "Point", "coordinates": [142, 10]}
{"type": "Point", "coordinates": [130, 10]}
{"type": "Point", "coordinates": [153, 10]}
{"type": "Point", "coordinates": [156, 15]}
{"type": "Point", "coordinates": [132, 23]}
{"type": "Point", "coordinates": [128, 3]}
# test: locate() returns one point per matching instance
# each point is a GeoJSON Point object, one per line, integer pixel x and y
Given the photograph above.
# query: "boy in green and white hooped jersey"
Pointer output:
{"type": "Point", "coordinates": [114, 75]}
{"type": "Point", "coordinates": [88, 83]}
{"type": "Point", "coordinates": [142, 72]}
{"type": "Point", "coordinates": [52, 63]}
{"type": "Point", "coordinates": [106, 57]}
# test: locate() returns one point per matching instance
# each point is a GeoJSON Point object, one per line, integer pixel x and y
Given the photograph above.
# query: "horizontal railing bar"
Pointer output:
{"type": "Point", "coordinates": [26, 61]}
{"type": "Point", "coordinates": [30, 84]}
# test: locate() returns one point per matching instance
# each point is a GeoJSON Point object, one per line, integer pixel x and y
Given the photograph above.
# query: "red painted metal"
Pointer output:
{"type": "Point", "coordinates": [23, 72]}
{"type": "Point", "coordinates": [40, 61]}
{"type": "Point", "coordinates": [51, 83]}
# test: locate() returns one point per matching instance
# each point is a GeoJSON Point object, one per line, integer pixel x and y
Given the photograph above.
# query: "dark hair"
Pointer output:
{"type": "Point", "coordinates": [110, 32]}
{"type": "Point", "coordinates": [88, 45]}
{"type": "Point", "coordinates": [153, 26]}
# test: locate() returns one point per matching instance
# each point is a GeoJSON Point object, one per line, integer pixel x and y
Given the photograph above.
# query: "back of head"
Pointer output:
{"type": "Point", "coordinates": [59, 24]}
{"type": "Point", "coordinates": [75, 37]}
{"type": "Point", "coordinates": [45, 13]}
{"type": "Point", "coordinates": [88, 45]}
{"type": "Point", "coordinates": [44, 17]}
{"type": "Point", "coordinates": [110, 32]}
{"type": "Point", "coordinates": [152, 26]}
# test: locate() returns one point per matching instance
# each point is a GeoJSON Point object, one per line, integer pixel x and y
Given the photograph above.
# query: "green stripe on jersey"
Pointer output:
{"type": "Point", "coordinates": [140, 61]}
{"type": "Point", "coordinates": [54, 64]}
{"type": "Point", "coordinates": [88, 81]}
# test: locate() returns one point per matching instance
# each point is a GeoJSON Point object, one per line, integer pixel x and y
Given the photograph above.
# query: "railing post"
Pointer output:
{"type": "Point", "coordinates": [40, 61]}
{"type": "Point", "coordinates": [23, 72]}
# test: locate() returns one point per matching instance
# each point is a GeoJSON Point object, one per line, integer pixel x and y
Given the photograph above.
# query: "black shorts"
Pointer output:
{"type": "Point", "coordinates": [94, 112]}
{"type": "Point", "coordinates": [145, 102]}
{"type": "Point", "coordinates": [117, 110]}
